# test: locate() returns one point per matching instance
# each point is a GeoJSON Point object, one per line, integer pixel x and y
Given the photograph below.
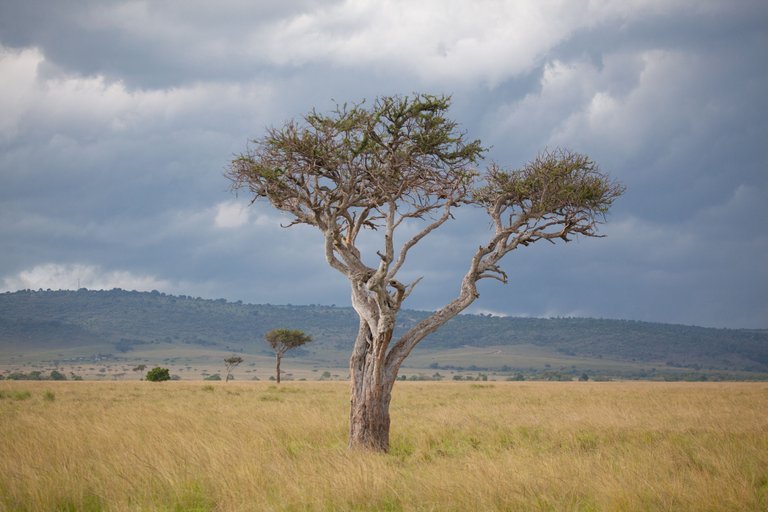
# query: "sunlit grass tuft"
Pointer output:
{"type": "Point", "coordinates": [455, 446]}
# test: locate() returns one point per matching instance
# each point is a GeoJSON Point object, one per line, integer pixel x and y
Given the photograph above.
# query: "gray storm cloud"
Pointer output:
{"type": "Point", "coordinates": [119, 118]}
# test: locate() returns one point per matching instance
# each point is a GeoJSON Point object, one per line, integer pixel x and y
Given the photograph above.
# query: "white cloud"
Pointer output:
{"type": "Point", "coordinates": [19, 70]}
{"type": "Point", "coordinates": [437, 40]}
{"type": "Point", "coordinates": [231, 215]}
{"type": "Point", "coordinates": [76, 104]}
{"type": "Point", "coordinates": [463, 41]}
{"type": "Point", "coordinates": [72, 276]}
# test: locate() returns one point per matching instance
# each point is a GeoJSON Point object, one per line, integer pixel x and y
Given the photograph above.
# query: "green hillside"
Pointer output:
{"type": "Point", "coordinates": [123, 323]}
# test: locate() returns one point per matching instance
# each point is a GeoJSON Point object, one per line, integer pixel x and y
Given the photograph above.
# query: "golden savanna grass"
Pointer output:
{"type": "Point", "coordinates": [455, 446]}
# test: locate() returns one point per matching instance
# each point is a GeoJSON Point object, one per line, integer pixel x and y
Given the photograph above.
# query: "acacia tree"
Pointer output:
{"type": "Point", "coordinates": [158, 374]}
{"type": "Point", "coordinates": [229, 364]}
{"type": "Point", "coordinates": [283, 340]}
{"type": "Point", "coordinates": [400, 165]}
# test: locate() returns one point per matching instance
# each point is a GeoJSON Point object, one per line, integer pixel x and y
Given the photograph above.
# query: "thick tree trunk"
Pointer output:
{"type": "Point", "coordinates": [369, 419]}
{"type": "Point", "coordinates": [371, 393]}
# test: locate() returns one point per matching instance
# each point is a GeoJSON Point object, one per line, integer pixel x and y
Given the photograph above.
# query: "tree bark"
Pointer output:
{"type": "Point", "coordinates": [277, 369]}
{"type": "Point", "coordinates": [371, 395]}
{"type": "Point", "coordinates": [369, 419]}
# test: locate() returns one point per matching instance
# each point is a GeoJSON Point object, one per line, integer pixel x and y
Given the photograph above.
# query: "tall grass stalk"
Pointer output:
{"type": "Point", "coordinates": [513, 446]}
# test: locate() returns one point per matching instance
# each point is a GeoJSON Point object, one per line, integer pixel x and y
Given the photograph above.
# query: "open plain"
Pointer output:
{"type": "Point", "coordinates": [197, 446]}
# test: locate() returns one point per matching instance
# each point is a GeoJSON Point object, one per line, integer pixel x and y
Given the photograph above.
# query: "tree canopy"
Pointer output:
{"type": "Point", "coordinates": [282, 340]}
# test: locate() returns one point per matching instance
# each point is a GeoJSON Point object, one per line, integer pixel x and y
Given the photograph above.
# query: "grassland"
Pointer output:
{"type": "Point", "coordinates": [194, 446]}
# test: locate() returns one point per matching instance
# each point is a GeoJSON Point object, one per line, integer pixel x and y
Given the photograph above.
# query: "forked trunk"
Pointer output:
{"type": "Point", "coordinates": [374, 364]}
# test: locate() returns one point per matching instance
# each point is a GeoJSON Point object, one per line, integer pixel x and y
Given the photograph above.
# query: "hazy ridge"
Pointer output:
{"type": "Point", "coordinates": [120, 322]}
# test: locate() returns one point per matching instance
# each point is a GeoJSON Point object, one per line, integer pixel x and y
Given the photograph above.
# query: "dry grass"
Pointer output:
{"type": "Point", "coordinates": [455, 446]}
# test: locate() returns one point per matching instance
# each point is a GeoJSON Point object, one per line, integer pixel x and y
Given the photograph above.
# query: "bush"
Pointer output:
{"type": "Point", "coordinates": [24, 376]}
{"type": "Point", "coordinates": [215, 376]}
{"type": "Point", "coordinates": [158, 374]}
{"type": "Point", "coordinates": [21, 395]}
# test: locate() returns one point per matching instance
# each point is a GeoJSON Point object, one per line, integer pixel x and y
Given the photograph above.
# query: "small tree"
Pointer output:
{"type": "Point", "coordinates": [283, 340]}
{"type": "Point", "coordinates": [158, 374]}
{"type": "Point", "coordinates": [229, 364]}
{"type": "Point", "coordinates": [57, 375]}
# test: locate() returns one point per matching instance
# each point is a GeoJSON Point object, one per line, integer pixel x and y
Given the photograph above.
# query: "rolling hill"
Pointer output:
{"type": "Point", "coordinates": [127, 325]}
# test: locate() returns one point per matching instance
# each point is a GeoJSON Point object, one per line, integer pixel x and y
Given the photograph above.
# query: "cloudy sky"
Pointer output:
{"type": "Point", "coordinates": [118, 118]}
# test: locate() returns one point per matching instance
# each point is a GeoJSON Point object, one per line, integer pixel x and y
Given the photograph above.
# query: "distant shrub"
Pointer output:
{"type": "Point", "coordinates": [215, 376]}
{"type": "Point", "coordinates": [48, 396]}
{"type": "Point", "coordinates": [21, 395]}
{"type": "Point", "coordinates": [33, 375]}
{"type": "Point", "coordinates": [36, 375]}
{"type": "Point", "coordinates": [555, 376]}
{"type": "Point", "coordinates": [158, 374]}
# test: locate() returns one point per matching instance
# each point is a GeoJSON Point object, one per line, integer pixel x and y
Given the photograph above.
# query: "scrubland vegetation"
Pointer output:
{"type": "Point", "coordinates": [455, 446]}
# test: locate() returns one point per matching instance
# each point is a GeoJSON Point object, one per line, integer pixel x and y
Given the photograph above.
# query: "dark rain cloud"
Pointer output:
{"type": "Point", "coordinates": [119, 118]}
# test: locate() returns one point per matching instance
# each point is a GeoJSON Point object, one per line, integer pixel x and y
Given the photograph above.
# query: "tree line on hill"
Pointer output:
{"type": "Point", "coordinates": [126, 320]}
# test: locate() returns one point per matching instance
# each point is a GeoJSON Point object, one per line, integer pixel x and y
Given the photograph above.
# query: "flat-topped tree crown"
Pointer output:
{"type": "Point", "coordinates": [559, 182]}
{"type": "Point", "coordinates": [558, 194]}
{"type": "Point", "coordinates": [342, 170]}
{"type": "Point", "coordinates": [401, 161]}
{"type": "Point", "coordinates": [283, 340]}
